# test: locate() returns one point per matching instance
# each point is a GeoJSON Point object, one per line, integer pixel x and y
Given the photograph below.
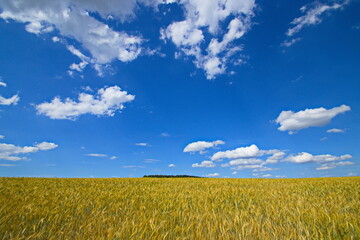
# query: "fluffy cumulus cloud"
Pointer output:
{"type": "Point", "coordinates": [73, 19]}
{"type": "Point", "coordinates": [46, 146]}
{"type": "Point", "coordinates": [206, 164]}
{"type": "Point", "coordinates": [312, 15]}
{"type": "Point", "coordinates": [250, 157]}
{"type": "Point", "coordinates": [241, 152]}
{"type": "Point", "coordinates": [294, 121]}
{"type": "Point", "coordinates": [208, 17]}
{"type": "Point", "coordinates": [106, 102]}
{"type": "Point", "coordinates": [171, 165]}
{"type": "Point", "coordinates": [305, 157]}
{"type": "Point", "coordinates": [200, 146]}
{"type": "Point", "coordinates": [70, 20]}
{"type": "Point", "coordinates": [15, 153]}
{"type": "Point", "coordinates": [258, 160]}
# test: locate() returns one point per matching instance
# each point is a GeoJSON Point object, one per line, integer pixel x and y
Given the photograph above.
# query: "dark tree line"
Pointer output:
{"type": "Point", "coordinates": [170, 176]}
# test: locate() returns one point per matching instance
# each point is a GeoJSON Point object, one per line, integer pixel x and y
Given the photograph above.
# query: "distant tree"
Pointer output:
{"type": "Point", "coordinates": [170, 176]}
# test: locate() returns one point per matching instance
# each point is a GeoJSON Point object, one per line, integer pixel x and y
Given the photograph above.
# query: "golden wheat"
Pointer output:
{"type": "Point", "coordinates": [147, 208]}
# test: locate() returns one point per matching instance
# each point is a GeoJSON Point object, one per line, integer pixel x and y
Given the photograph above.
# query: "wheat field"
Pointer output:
{"type": "Point", "coordinates": [150, 208]}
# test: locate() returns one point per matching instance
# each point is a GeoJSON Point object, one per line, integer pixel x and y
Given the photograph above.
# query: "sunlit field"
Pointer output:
{"type": "Point", "coordinates": [150, 208]}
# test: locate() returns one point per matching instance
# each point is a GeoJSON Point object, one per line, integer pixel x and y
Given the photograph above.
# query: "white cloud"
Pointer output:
{"type": "Point", "coordinates": [46, 146]}
{"type": "Point", "coordinates": [291, 121]}
{"type": "Point", "coordinates": [72, 20]}
{"type": "Point", "coordinates": [235, 172]}
{"type": "Point", "coordinates": [106, 102]}
{"type": "Point", "coordinates": [2, 136]}
{"type": "Point", "coordinates": [151, 160]}
{"type": "Point", "coordinates": [208, 17]}
{"type": "Point", "coordinates": [305, 157]}
{"type": "Point", "coordinates": [55, 39]}
{"type": "Point", "coordinates": [11, 152]}
{"type": "Point", "coordinates": [249, 158]}
{"type": "Point", "coordinates": [335, 130]}
{"type": "Point", "coordinates": [351, 174]}
{"type": "Point", "coordinates": [142, 144]}
{"type": "Point", "coordinates": [333, 165]}
{"type": "Point", "coordinates": [206, 164]}
{"type": "Point", "coordinates": [171, 165]}
{"type": "Point", "coordinates": [9, 101]}
{"type": "Point", "coordinates": [275, 157]}
{"type": "Point", "coordinates": [213, 175]}
{"type": "Point", "coordinates": [312, 13]}
{"type": "Point", "coordinates": [280, 176]}
{"type": "Point", "coordinates": [264, 169]}
{"type": "Point", "coordinates": [183, 34]}
{"type": "Point", "coordinates": [200, 146]}
{"type": "Point", "coordinates": [243, 161]}
{"type": "Point", "coordinates": [288, 43]}
{"type": "Point", "coordinates": [113, 157]}
{"type": "Point", "coordinates": [244, 167]}
{"type": "Point", "coordinates": [96, 155]}
{"type": "Point", "coordinates": [266, 175]}
{"type": "Point", "coordinates": [7, 165]}
{"type": "Point", "coordinates": [2, 84]}
{"type": "Point", "coordinates": [165, 134]}
{"type": "Point", "coordinates": [133, 166]}
{"type": "Point", "coordinates": [242, 152]}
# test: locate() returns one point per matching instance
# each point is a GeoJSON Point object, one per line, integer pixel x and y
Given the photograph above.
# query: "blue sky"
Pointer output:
{"type": "Point", "coordinates": [209, 88]}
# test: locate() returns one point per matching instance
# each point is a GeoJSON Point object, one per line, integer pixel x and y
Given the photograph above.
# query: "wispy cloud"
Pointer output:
{"type": "Point", "coordinates": [151, 160]}
{"type": "Point", "coordinates": [7, 165]}
{"type": "Point", "coordinates": [96, 155]}
{"type": "Point", "coordinates": [335, 130]}
{"type": "Point", "coordinates": [212, 175]}
{"type": "Point", "coordinates": [142, 144]}
{"type": "Point", "coordinates": [133, 166]}
{"type": "Point", "coordinates": [312, 15]}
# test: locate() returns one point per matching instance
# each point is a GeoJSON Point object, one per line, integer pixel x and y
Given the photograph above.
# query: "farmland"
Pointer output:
{"type": "Point", "coordinates": [149, 208]}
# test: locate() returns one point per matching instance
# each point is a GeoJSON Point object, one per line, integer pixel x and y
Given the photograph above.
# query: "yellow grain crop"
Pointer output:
{"type": "Point", "coordinates": [149, 208]}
